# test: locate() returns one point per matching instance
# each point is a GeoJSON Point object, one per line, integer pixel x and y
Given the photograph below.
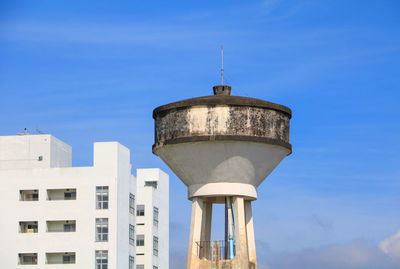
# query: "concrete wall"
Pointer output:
{"type": "Point", "coordinates": [153, 197]}
{"type": "Point", "coordinates": [33, 151]}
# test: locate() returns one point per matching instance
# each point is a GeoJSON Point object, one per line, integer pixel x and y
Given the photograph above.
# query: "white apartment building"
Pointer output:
{"type": "Point", "coordinates": [58, 216]}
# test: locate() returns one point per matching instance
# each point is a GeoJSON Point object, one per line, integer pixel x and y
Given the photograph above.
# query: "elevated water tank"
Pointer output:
{"type": "Point", "coordinates": [222, 145]}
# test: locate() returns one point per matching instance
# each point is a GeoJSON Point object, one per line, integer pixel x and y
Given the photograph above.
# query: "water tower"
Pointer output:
{"type": "Point", "coordinates": [222, 147]}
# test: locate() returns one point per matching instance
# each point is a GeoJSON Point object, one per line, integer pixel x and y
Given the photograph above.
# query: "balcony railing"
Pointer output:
{"type": "Point", "coordinates": [62, 262]}
{"type": "Point", "coordinates": [29, 231]}
{"type": "Point", "coordinates": [27, 262]}
{"type": "Point", "coordinates": [61, 230]}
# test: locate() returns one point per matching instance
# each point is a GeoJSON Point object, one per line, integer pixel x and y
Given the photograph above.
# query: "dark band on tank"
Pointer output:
{"type": "Point", "coordinates": [256, 139]}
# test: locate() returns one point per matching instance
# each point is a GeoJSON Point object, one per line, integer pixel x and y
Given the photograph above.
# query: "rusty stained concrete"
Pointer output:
{"type": "Point", "coordinates": [222, 120]}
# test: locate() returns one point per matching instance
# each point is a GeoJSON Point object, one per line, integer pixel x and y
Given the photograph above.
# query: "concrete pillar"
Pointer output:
{"type": "Point", "coordinates": [242, 255]}
{"type": "Point", "coordinates": [251, 243]}
{"type": "Point", "coordinates": [195, 233]}
{"type": "Point", "coordinates": [206, 229]}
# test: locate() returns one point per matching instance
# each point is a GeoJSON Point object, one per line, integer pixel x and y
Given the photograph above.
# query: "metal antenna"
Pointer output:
{"type": "Point", "coordinates": [222, 65]}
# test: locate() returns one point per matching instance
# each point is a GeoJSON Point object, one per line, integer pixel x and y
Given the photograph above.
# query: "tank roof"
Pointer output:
{"type": "Point", "coordinates": [222, 100]}
{"type": "Point", "coordinates": [222, 97]}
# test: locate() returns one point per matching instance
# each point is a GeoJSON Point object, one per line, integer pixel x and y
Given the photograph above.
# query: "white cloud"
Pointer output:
{"type": "Point", "coordinates": [355, 255]}
{"type": "Point", "coordinates": [391, 245]}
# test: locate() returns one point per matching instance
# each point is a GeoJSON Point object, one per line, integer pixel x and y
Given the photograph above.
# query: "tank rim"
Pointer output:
{"type": "Point", "coordinates": [191, 139]}
{"type": "Point", "coordinates": [215, 100]}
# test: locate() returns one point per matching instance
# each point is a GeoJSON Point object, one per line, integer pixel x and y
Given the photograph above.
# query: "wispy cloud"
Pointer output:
{"type": "Point", "coordinates": [106, 34]}
{"type": "Point", "coordinates": [355, 255]}
{"type": "Point", "coordinates": [391, 246]}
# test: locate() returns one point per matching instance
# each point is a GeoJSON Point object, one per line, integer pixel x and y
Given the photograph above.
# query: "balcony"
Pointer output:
{"type": "Point", "coordinates": [61, 194]}
{"type": "Point", "coordinates": [60, 258]}
{"type": "Point", "coordinates": [61, 226]}
{"type": "Point", "coordinates": [27, 258]}
{"type": "Point", "coordinates": [29, 195]}
{"type": "Point", "coordinates": [28, 227]}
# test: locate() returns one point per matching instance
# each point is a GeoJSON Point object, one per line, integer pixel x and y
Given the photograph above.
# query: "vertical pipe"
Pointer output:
{"type": "Point", "coordinates": [222, 65]}
{"type": "Point", "coordinates": [230, 218]}
{"type": "Point", "coordinates": [226, 229]}
{"type": "Point", "coordinates": [231, 223]}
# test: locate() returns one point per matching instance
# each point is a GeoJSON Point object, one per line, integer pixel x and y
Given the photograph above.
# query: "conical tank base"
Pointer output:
{"type": "Point", "coordinates": [224, 168]}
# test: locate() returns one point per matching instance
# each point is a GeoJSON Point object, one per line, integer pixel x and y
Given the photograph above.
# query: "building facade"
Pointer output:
{"type": "Point", "coordinates": [59, 216]}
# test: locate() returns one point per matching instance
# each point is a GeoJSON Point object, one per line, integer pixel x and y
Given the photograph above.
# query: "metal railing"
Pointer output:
{"type": "Point", "coordinates": [216, 250]}
{"type": "Point", "coordinates": [27, 260]}
{"type": "Point", "coordinates": [61, 262]}
{"type": "Point", "coordinates": [28, 263]}
{"type": "Point", "coordinates": [29, 199]}
{"type": "Point", "coordinates": [29, 231]}
{"type": "Point", "coordinates": [61, 230]}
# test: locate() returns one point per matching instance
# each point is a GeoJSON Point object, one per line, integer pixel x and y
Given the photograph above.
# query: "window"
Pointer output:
{"type": "Point", "coordinates": [101, 259]}
{"type": "Point", "coordinates": [140, 266]}
{"type": "Point", "coordinates": [140, 210]}
{"type": "Point", "coordinates": [140, 240]}
{"type": "Point", "coordinates": [155, 267]}
{"type": "Point", "coordinates": [70, 227]}
{"type": "Point", "coordinates": [131, 234]}
{"type": "Point", "coordinates": [29, 195]}
{"type": "Point", "coordinates": [155, 245]}
{"type": "Point", "coordinates": [155, 216]}
{"type": "Point", "coordinates": [102, 197]}
{"type": "Point", "coordinates": [67, 259]}
{"type": "Point", "coordinates": [28, 258]}
{"type": "Point", "coordinates": [151, 184]}
{"type": "Point", "coordinates": [132, 203]}
{"type": "Point", "coordinates": [131, 262]}
{"type": "Point", "coordinates": [71, 195]}
{"type": "Point", "coordinates": [102, 230]}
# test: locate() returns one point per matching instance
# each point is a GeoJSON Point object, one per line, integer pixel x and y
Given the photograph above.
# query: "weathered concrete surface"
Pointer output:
{"type": "Point", "coordinates": [222, 122]}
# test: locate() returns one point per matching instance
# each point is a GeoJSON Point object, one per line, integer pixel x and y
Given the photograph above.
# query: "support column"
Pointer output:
{"type": "Point", "coordinates": [195, 233]}
{"type": "Point", "coordinates": [242, 258]}
{"type": "Point", "coordinates": [251, 243]}
{"type": "Point", "coordinates": [206, 229]}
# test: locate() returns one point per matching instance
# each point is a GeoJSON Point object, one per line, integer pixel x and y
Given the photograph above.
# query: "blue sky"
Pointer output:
{"type": "Point", "coordinates": [89, 71]}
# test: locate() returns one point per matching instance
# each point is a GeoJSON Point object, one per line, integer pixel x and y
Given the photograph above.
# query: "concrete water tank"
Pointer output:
{"type": "Point", "coordinates": [222, 147]}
